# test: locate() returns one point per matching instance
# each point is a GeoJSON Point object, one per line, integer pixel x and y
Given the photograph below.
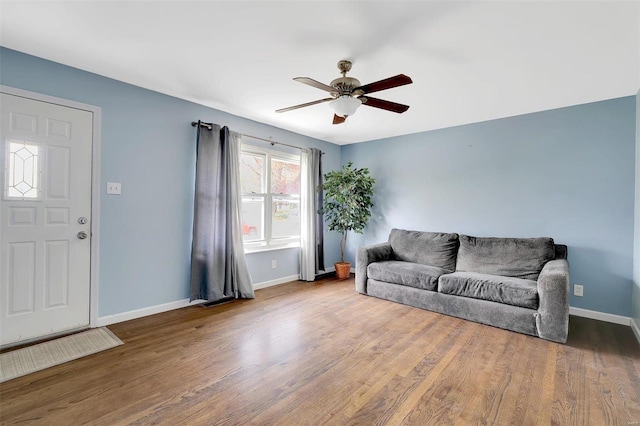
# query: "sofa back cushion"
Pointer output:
{"type": "Point", "coordinates": [509, 257]}
{"type": "Point", "coordinates": [426, 248]}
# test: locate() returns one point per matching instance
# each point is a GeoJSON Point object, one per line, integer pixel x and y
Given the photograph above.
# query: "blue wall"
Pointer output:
{"type": "Point", "coordinates": [148, 144]}
{"type": "Point", "coordinates": [565, 173]}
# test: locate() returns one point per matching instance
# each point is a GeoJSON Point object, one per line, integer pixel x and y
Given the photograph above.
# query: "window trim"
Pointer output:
{"type": "Point", "coordinates": [268, 243]}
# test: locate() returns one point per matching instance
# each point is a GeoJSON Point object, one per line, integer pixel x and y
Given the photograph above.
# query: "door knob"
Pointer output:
{"type": "Point", "coordinates": [82, 235]}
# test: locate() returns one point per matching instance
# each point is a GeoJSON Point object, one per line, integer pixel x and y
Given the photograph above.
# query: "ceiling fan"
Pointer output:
{"type": "Point", "coordinates": [347, 94]}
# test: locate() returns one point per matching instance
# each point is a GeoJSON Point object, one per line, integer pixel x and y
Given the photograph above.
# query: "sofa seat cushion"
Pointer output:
{"type": "Point", "coordinates": [426, 248]}
{"type": "Point", "coordinates": [406, 273]}
{"type": "Point", "coordinates": [509, 257]}
{"type": "Point", "coordinates": [508, 290]}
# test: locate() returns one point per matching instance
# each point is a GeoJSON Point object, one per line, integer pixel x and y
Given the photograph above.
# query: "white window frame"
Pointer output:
{"type": "Point", "coordinates": [268, 243]}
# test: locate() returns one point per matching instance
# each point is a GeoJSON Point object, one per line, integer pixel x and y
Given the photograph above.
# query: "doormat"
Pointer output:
{"type": "Point", "coordinates": [54, 352]}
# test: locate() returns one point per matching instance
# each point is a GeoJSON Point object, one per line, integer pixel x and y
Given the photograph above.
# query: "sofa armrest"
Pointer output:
{"type": "Point", "coordinates": [552, 319]}
{"type": "Point", "coordinates": [367, 255]}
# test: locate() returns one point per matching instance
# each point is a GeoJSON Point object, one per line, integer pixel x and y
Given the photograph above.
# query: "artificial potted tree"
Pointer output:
{"type": "Point", "coordinates": [347, 206]}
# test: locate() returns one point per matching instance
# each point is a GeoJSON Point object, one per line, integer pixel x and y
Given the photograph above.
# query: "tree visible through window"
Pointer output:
{"type": "Point", "coordinates": [270, 184]}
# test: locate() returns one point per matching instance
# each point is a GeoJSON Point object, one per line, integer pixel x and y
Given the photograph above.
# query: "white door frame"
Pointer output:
{"type": "Point", "coordinates": [95, 185]}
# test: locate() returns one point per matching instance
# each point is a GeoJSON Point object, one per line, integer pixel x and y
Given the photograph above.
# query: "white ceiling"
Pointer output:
{"type": "Point", "coordinates": [469, 61]}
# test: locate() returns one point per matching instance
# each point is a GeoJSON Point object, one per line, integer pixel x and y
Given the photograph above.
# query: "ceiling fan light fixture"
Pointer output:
{"type": "Point", "coordinates": [347, 94]}
{"type": "Point", "coordinates": [345, 105]}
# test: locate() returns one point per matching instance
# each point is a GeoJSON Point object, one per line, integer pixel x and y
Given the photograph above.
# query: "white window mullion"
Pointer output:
{"type": "Point", "coordinates": [267, 212]}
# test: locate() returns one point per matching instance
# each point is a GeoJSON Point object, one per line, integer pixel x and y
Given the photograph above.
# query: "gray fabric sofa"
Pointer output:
{"type": "Point", "coordinates": [519, 284]}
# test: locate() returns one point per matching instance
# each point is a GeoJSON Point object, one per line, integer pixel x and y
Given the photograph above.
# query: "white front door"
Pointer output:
{"type": "Point", "coordinates": [46, 207]}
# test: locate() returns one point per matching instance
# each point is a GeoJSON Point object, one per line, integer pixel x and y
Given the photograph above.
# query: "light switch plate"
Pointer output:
{"type": "Point", "coordinates": [114, 188]}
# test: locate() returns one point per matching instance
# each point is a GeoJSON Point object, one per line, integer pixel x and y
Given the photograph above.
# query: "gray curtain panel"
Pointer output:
{"type": "Point", "coordinates": [218, 265]}
{"type": "Point", "coordinates": [317, 170]}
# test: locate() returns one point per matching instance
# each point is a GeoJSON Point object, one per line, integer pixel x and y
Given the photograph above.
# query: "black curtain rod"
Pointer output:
{"type": "Point", "coordinates": [202, 124]}
{"type": "Point", "coordinates": [210, 126]}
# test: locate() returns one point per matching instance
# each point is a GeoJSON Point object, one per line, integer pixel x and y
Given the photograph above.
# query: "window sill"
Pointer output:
{"type": "Point", "coordinates": [259, 249]}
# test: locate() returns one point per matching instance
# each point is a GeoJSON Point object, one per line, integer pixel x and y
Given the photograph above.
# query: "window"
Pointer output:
{"type": "Point", "coordinates": [270, 185]}
{"type": "Point", "coordinates": [22, 171]}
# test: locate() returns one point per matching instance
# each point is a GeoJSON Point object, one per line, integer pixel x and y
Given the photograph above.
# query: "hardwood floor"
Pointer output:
{"type": "Point", "coordinates": [319, 353]}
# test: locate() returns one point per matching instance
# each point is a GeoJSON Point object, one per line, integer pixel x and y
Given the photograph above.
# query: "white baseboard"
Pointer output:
{"type": "Point", "coordinates": [636, 328]}
{"type": "Point", "coordinates": [139, 313]}
{"type": "Point", "coordinates": [152, 310]}
{"type": "Point", "coordinates": [602, 316]}
{"type": "Point", "coordinates": [278, 281]}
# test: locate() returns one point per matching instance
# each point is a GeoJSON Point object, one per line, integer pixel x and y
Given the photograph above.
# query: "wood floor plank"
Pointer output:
{"type": "Point", "coordinates": [540, 406]}
{"type": "Point", "coordinates": [319, 353]}
{"type": "Point", "coordinates": [415, 355]}
{"type": "Point", "coordinates": [442, 364]}
{"type": "Point", "coordinates": [486, 404]}
{"type": "Point", "coordinates": [357, 349]}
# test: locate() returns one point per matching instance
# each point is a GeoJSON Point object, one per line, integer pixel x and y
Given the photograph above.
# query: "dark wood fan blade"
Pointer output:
{"type": "Point", "coordinates": [291, 108]}
{"type": "Point", "coordinates": [338, 120]}
{"type": "Point", "coordinates": [382, 104]}
{"type": "Point", "coordinates": [387, 83]}
{"type": "Point", "coordinates": [314, 83]}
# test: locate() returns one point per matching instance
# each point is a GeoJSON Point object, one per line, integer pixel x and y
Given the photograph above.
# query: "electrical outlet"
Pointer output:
{"type": "Point", "coordinates": [274, 264]}
{"type": "Point", "coordinates": [578, 290]}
